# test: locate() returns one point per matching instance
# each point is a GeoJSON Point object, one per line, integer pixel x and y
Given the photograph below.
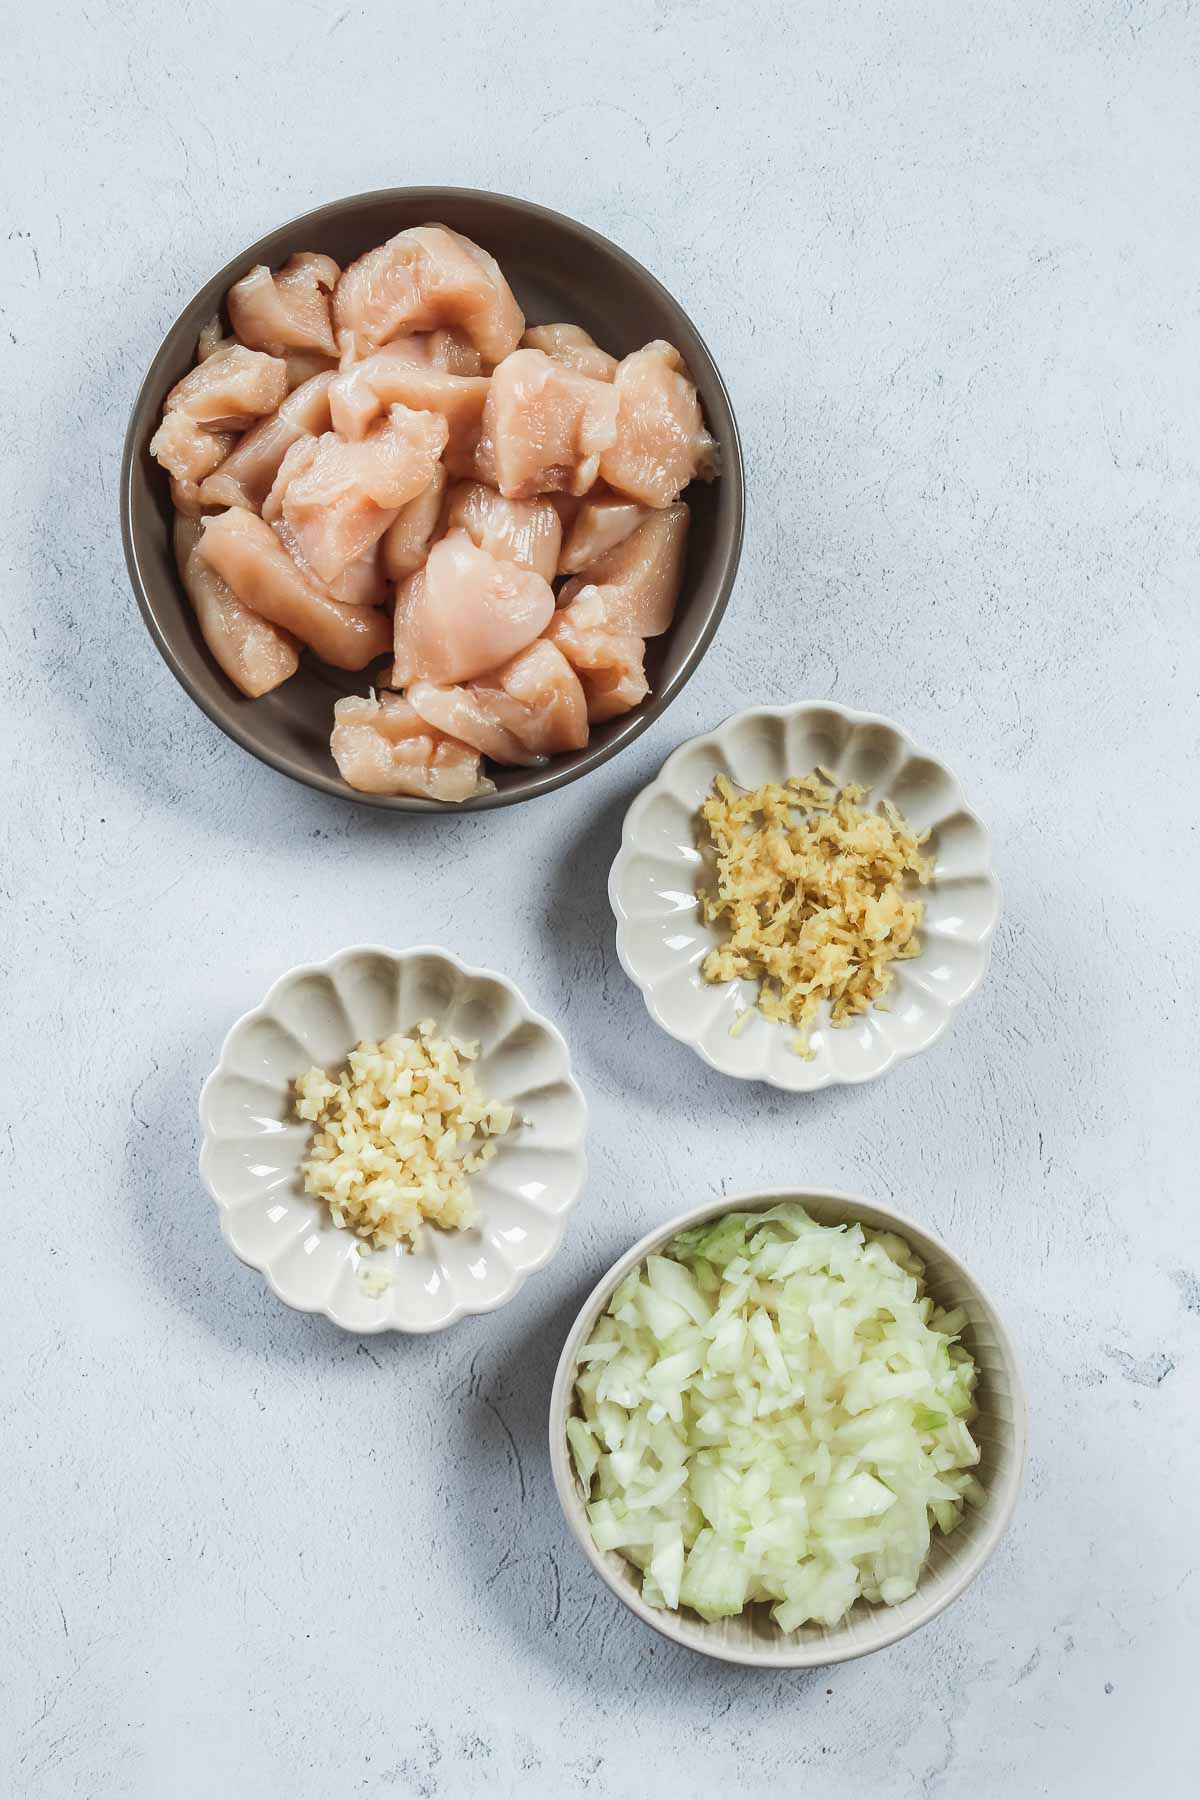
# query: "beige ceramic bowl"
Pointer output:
{"type": "Point", "coordinates": [954, 1562]}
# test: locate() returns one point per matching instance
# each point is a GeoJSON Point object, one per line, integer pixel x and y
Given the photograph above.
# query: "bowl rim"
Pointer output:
{"type": "Point", "coordinates": [562, 1468]}
{"type": "Point", "coordinates": [625, 850]}
{"type": "Point", "coordinates": [536, 782]}
{"type": "Point", "coordinates": [529, 1015]}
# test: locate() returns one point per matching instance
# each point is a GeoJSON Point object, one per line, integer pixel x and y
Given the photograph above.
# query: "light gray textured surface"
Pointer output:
{"type": "Point", "coordinates": [947, 259]}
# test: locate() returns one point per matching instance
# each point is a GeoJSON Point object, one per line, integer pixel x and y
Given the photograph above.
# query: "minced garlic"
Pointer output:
{"type": "Point", "coordinates": [810, 889]}
{"type": "Point", "coordinates": [391, 1148]}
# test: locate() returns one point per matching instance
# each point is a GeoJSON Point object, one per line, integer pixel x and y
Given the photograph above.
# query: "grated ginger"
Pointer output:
{"type": "Point", "coordinates": [393, 1137]}
{"type": "Point", "coordinates": [810, 891]}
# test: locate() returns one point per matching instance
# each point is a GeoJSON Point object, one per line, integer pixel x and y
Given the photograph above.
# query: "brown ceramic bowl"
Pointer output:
{"type": "Point", "coordinates": [558, 270]}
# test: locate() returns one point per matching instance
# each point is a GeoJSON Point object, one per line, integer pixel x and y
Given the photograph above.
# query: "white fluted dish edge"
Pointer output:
{"type": "Point", "coordinates": [662, 940]}
{"type": "Point", "coordinates": [252, 1146]}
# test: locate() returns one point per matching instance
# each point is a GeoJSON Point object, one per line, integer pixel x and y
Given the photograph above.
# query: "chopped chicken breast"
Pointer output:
{"type": "Point", "coordinates": [661, 441]}
{"type": "Point", "coordinates": [521, 531]}
{"type": "Point", "coordinates": [382, 461]}
{"type": "Point", "coordinates": [302, 365]}
{"type": "Point", "coordinates": [336, 499]}
{"type": "Point", "coordinates": [419, 280]}
{"type": "Point", "coordinates": [639, 579]}
{"type": "Point", "coordinates": [598, 525]}
{"type": "Point", "coordinates": [405, 544]}
{"type": "Point", "coordinates": [363, 388]}
{"type": "Point", "coordinates": [248, 556]}
{"type": "Point", "coordinates": [189, 451]}
{"type": "Point", "coordinates": [571, 345]}
{"type": "Point", "coordinates": [255, 654]}
{"type": "Point", "coordinates": [627, 595]}
{"type": "Point", "coordinates": [544, 427]}
{"type": "Point", "coordinates": [212, 338]}
{"type": "Point", "coordinates": [610, 663]}
{"type": "Point", "coordinates": [249, 469]}
{"type": "Point", "coordinates": [465, 612]}
{"type": "Point", "coordinates": [394, 376]}
{"type": "Point", "coordinates": [384, 747]}
{"type": "Point", "coordinates": [362, 582]}
{"type": "Point", "coordinates": [531, 707]}
{"type": "Point", "coordinates": [230, 388]}
{"type": "Point", "coordinates": [287, 311]}
{"type": "Point", "coordinates": [185, 498]}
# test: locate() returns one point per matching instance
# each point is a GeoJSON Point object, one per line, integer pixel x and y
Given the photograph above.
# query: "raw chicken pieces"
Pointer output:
{"type": "Point", "coordinates": [334, 499]}
{"type": "Point", "coordinates": [189, 451]}
{"type": "Point", "coordinates": [596, 527]}
{"type": "Point", "coordinates": [246, 475]}
{"type": "Point", "coordinates": [570, 344]}
{"type": "Point", "coordinates": [640, 577]}
{"type": "Point", "coordinates": [393, 376]}
{"type": "Point", "coordinates": [530, 708]}
{"type": "Point", "coordinates": [626, 596]}
{"type": "Point", "coordinates": [464, 613]}
{"type": "Point", "coordinates": [230, 388]}
{"type": "Point", "coordinates": [544, 427]}
{"type": "Point", "coordinates": [384, 747]}
{"type": "Point", "coordinates": [405, 544]}
{"type": "Point", "coordinates": [288, 311]}
{"type": "Point", "coordinates": [250, 559]}
{"type": "Point", "coordinates": [521, 531]}
{"type": "Point", "coordinates": [661, 442]}
{"type": "Point", "coordinates": [610, 663]}
{"type": "Point", "coordinates": [255, 654]}
{"type": "Point", "coordinates": [221, 395]}
{"type": "Point", "coordinates": [382, 461]}
{"type": "Point", "coordinates": [419, 280]}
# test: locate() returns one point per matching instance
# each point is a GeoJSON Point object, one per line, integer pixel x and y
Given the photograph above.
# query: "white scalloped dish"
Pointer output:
{"type": "Point", "coordinates": [662, 939]}
{"type": "Point", "coordinates": [253, 1144]}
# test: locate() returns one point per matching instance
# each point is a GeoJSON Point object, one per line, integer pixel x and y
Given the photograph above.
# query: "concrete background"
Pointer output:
{"type": "Point", "coordinates": [947, 259]}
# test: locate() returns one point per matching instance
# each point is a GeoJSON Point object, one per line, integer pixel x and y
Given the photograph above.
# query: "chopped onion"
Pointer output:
{"type": "Point", "coordinates": [774, 1410]}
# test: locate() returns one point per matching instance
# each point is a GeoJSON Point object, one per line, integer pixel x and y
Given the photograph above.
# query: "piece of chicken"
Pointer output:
{"type": "Point", "coordinates": [363, 582]}
{"type": "Point", "coordinates": [639, 579]}
{"type": "Point", "coordinates": [185, 498]}
{"type": "Point", "coordinates": [452, 350]}
{"type": "Point", "coordinates": [520, 531]}
{"type": "Point", "coordinates": [334, 499]}
{"type": "Point", "coordinates": [384, 747]}
{"type": "Point", "coordinates": [627, 595]}
{"type": "Point", "coordinates": [405, 544]}
{"type": "Point", "coordinates": [246, 475]}
{"type": "Point", "coordinates": [610, 663]}
{"type": "Point", "coordinates": [302, 365]}
{"type": "Point", "coordinates": [419, 280]}
{"type": "Point", "coordinates": [255, 654]}
{"type": "Point", "coordinates": [531, 707]}
{"type": "Point", "coordinates": [661, 442]}
{"type": "Point", "coordinates": [212, 338]}
{"type": "Point", "coordinates": [394, 376]}
{"type": "Point", "coordinates": [188, 451]}
{"type": "Point", "coordinates": [572, 346]}
{"type": "Point", "coordinates": [545, 428]}
{"type": "Point", "coordinates": [287, 311]}
{"type": "Point", "coordinates": [230, 388]}
{"type": "Point", "coordinates": [599, 525]}
{"type": "Point", "coordinates": [248, 556]}
{"type": "Point", "coordinates": [364, 385]}
{"type": "Point", "coordinates": [464, 613]}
